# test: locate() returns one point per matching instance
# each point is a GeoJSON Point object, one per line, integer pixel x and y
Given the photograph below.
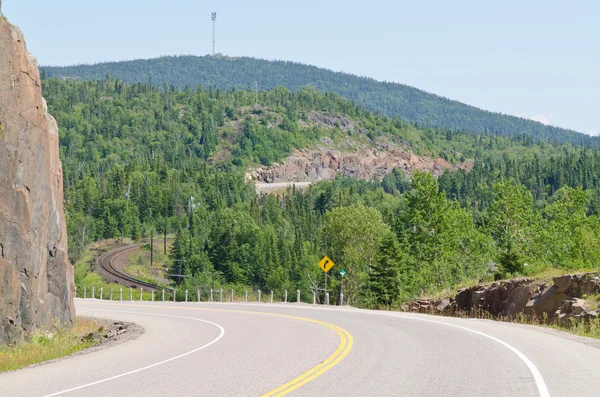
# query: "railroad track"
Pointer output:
{"type": "Point", "coordinates": [105, 262]}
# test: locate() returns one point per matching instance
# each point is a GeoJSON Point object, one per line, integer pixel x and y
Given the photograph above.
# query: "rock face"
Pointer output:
{"type": "Point", "coordinates": [367, 163]}
{"type": "Point", "coordinates": [36, 278]}
{"type": "Point", "coordinates": [560, 301]}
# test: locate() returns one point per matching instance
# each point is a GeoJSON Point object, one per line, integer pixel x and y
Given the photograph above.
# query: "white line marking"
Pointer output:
{"type": "Point", "coordinates": [149, 366]}
{"type": "Point", "coordinates": [537, 376]}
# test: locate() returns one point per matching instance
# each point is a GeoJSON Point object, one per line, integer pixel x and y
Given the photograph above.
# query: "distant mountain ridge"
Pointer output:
{"type": "Point", "coordinates": [393, 99]}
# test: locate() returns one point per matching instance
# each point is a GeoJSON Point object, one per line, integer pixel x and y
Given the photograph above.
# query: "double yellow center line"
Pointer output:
{"type": "Point", "coordinates": [342, 351]}
{"type": "Point", "coordinates": [346, 342]}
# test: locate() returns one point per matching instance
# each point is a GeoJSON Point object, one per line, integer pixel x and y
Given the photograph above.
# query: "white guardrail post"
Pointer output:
{"type": "Point", "coordinates": [221, 295]}
{"type": "Point", "coordinates": [186, 295]}
{"type": "Point", "coordinates": [198, 295]}
{"type": "Point", "coordinates": [93, 292]}
{"type": "Point", "coordinates": [141, 293]}
{"type": "Point", "coordinates": [271, 296]}
{"type": "Point", "coordinates": [327, 298]}
{"type": "Point", "coordinates": [297, 296]}
{"type": "Point", "coordinates": [111, 296]}
{"type": "Point", "coordinates": [152, 295]}
{"type": "Point", "coordinates": [163, 295]}
{"type": "Point", "coordinates": [85, 292]}
{"type": "Point", "coordinates": [246, 296]}
{"type": "Point", "coordinates": [130, 294]}
{"type": "Point", "coordinates": [285, 296]}
{"type": "Point", "coordinates": [231, 296]}
{"type": "Point", "coordinates": [211, 295]}
{"type": "Point", "coordinates": [101, 292]}
{"type": "Point", "coordinates": [174, 295]}
{"type": "Point", "coordinates": [258, 295]}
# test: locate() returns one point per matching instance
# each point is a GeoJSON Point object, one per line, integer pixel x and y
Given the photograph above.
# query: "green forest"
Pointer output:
{"type": "Point", "coordinates": [140, 159]}
{"type": "Point", "coordinates": [391, 99]}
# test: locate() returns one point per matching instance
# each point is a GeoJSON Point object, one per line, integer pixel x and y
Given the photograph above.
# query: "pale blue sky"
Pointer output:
{"type": "Point", "coordinates": [536, 59]}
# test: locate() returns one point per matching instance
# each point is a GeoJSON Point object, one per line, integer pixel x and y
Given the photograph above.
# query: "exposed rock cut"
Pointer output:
{"type": "Point", "coordinates": [36, 278]}
{"type": "Point", "coordinates": [560, 301]}
{"type": "Point", "coordinates": [367, 163]}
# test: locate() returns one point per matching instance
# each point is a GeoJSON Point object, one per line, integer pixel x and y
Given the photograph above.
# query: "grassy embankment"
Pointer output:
{"type": "Point", "coordinates": [44, 346]}
{"type": "Point", "coordinates": [141, 268]}
{"type": "Point", "coordinates": [88, 280]}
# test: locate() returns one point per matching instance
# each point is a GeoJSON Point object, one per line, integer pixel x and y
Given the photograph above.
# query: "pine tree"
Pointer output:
{"type": "Point", "coordinates": [384, 281]}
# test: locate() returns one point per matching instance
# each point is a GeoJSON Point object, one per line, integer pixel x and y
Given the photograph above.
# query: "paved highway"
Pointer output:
{"type": "Point", "coordinates": [223, 349]}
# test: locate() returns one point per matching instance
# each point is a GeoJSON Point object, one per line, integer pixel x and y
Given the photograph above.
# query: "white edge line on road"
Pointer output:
{"type": "Point", "coordinates": [537, 376]}
{"type": "Point", "coordinates": [149, 366]}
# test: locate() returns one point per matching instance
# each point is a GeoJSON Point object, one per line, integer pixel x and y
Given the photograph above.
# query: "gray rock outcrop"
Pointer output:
{"type": "Point", "coordinates": [36, 278]}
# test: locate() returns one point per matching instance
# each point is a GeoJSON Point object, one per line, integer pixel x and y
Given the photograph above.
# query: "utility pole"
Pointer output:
{"type": "Point", "coordinates": [214, 20]}
{"type": "Point", "coordinates": [151, 247]}
{"type": "Point", "coordinates": [180, 275]}
{"type": "Point", "coordinates": [165, 239]}
{"type": "Point", "coordinates": [128, 193]}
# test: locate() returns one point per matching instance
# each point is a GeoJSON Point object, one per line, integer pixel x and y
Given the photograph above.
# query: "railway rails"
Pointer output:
{"type": "Point", "coordinates": [106, 261]}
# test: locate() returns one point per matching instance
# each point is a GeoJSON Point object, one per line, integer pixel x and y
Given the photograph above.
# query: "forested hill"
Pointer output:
{"type": "Point", "coordinates": [139, 160]}
{"type": "Point", "coordinates": [392, 99]}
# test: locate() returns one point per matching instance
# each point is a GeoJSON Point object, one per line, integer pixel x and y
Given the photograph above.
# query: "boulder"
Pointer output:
{"type": "Point", "coordinates": [431, 306]}
{"type": "Point", "coordinates": [516, 301]}
{"type": "Point", "coordinates": [574, 306]}
{"type": "Point", "coordinates": [36, 278]}
{"type": "Point", "coordinates": [563, 282]}
{"type": "Point", "coordinates": [546, 304]}
{"type": "Point", "coordinates": [589, 288]}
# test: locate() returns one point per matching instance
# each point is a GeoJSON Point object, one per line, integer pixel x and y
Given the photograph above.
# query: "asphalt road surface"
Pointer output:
{"type": "Point", "coordinates": [221, 349]}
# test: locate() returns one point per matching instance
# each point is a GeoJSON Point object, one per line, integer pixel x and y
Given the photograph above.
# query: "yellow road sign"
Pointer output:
{"type": "Point", "coordinates": [326, 264]}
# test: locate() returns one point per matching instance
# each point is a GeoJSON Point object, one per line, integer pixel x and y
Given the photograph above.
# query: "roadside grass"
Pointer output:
{"type": "Point", "coordinates": [588, 328]}
{"type": "Point", "coordinates": [139, 265]}
{"type": "Point", "coordinates": [90, 284]}
{"type": "Point", "coordinates": [592, 302]}
{"type": "Point", "coordinates": [591, 329]}
{"type": "Point", "coordinates": [45, 345]}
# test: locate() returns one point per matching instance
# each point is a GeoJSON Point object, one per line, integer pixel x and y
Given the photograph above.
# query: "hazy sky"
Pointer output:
{"type": "Point", "coordinates": [536, 59]}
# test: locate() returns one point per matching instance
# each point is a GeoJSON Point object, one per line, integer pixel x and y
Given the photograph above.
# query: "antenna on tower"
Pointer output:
{"type": "Point", "coordinates": [214, 19]}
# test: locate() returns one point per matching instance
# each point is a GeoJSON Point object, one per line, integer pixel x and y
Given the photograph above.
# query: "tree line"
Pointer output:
{"type": "Point", "coordinates": [139, 159]}
{"type": "Point", "coordinates": [391, 99]}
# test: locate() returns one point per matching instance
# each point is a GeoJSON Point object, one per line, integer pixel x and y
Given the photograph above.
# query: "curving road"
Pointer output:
{"type": "Point", "coordinates": [223, 349]}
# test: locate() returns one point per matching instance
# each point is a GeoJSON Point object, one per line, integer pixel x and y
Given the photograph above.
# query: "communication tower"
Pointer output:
{"type": "Point", "coordinates": [214, 20]}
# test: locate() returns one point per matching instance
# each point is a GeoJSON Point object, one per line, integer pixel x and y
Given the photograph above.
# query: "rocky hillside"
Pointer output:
{"type": "Point", "coordinates": [325, 163]}
{"type": "Point", "coordinates": [36, 278]}
{"type": "Point", "coordinates": [355, 156]}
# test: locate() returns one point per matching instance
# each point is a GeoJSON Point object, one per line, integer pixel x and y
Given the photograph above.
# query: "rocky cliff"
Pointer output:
{"type": "Point", "coordinates": [36, 278]}
{"type": "Point", "coordinates": [312, 165]}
